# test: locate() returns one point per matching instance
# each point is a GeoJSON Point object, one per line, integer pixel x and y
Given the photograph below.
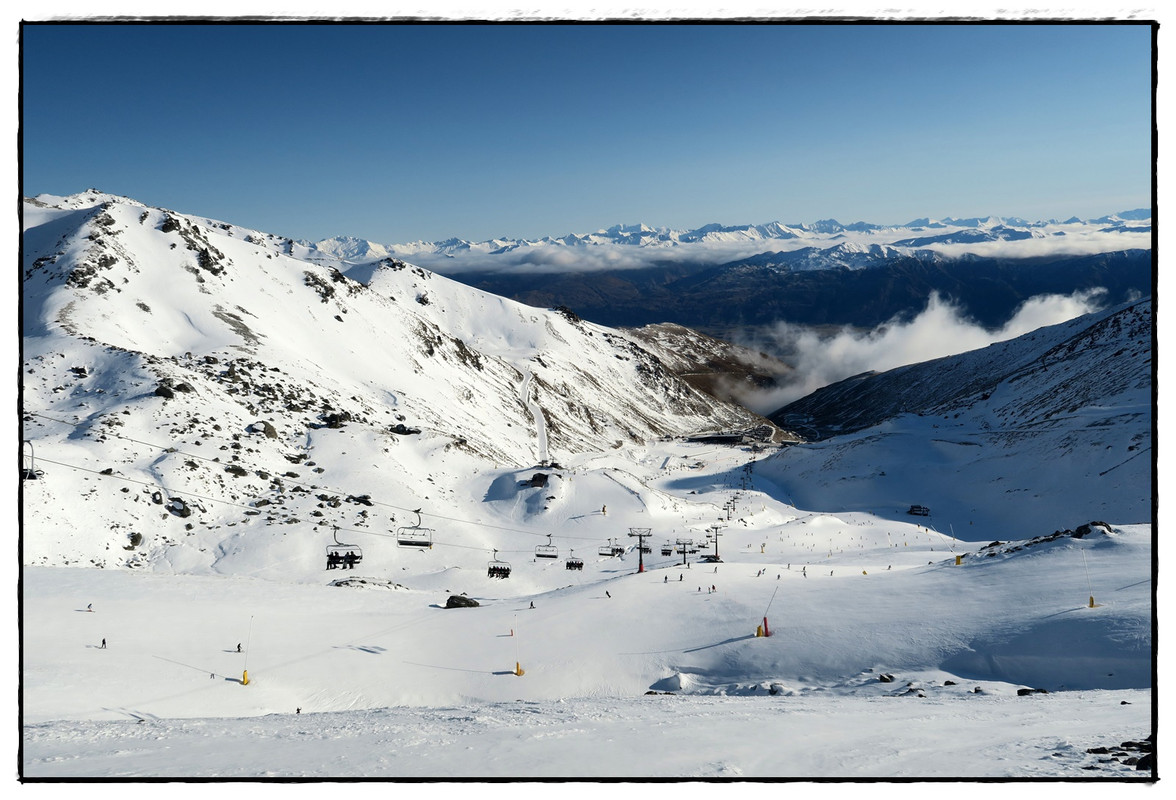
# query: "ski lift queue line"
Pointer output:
{"type": "Point", "coordinates": [307, 486]}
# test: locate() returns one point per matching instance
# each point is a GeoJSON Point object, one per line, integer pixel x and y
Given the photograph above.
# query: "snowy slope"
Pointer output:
{"type": "Point", "coordinates": [385, 682]}
{"type": "Point", "coordinates": [194, 359]}
{"type": "Point", "coordinates": [211, 409]}
{"type": "Point", "coordinates": [1053, 427]}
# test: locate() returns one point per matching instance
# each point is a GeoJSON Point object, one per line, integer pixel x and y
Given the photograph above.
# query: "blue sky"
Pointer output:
{"type": "Point", "coordinates": [395, 133]}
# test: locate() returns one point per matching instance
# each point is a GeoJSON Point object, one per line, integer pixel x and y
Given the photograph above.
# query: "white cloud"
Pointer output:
{"type": "Point", "coordinates": [820, 358]}
{"type": "Point", "coordinates": [590, 258]}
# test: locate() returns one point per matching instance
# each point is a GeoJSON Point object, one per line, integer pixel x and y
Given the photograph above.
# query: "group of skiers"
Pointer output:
{"type": "Point", "coordinates": [341, 561]}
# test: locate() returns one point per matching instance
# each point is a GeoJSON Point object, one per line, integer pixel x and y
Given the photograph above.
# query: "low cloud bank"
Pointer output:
{"type": "Point", "coordinates": [941, 329]}
{"type": "Point", "coordinates": [594, 258]}
{"type": "Point", "coordinates": [559, 259]}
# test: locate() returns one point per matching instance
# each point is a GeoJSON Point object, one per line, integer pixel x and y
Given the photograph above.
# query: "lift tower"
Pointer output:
{"type": "Point", "coordinates": [640, 533]}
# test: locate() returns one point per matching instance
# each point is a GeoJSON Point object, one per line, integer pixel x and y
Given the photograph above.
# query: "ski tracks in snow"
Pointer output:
{"type": "Point", "coordinates": [536, 413]}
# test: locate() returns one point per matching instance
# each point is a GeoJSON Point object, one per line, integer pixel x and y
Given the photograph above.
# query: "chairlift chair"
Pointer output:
{"type": "Point", "coordinates": [497, 569]}
{"type": "Point", "coordinates": [341, 555]}
{"type": "Point", "coordinates": [28, 470]}
{"type": "Point", "coordinates": [414, 535]}
{"type": "Point", "coordinates": [574, 563]}
{"type": "Point", "coordinates": [667, 549]}
{"type": "Point", "coordinates": [606, 549]}
{"type": "Point", "coordinates": [547, 550]}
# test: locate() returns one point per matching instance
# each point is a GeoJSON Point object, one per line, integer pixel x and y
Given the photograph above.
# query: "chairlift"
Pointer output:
{"type": "Point", "coordinates": [497, 569]}
{"type": "Point", "coordinates": [341, 555]}
{"type": "Point", "coordinates": [646, 549]}
{"type": "Point", "coordinates": [547, 550]}
{"type": "Point", "coordinates": [611, 549]}
{"type": "Point", "coordinates": [667, 549]}
{"type": "Point", "coordinates": [574, 563]}
{"type": "Point", "coordinates": [414, 535]}
{"type": "Point", "coordinates": [28, 469]}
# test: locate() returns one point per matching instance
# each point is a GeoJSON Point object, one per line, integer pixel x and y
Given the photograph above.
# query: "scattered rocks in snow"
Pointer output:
{"type": "Point", "coordinates": [1088, 528]}
{"type": "Point", "coordinates": [1139, 754]}
{"type": "Point", "coordinates": [366, 583]}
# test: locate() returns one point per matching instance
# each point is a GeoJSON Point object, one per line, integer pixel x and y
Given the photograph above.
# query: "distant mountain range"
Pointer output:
{"type": "Point", "coordinates": [972, 229]}
{"type": "Point", "coordinates": [851, 288]}
{"type": "Point", "coordinates": [719, 278]}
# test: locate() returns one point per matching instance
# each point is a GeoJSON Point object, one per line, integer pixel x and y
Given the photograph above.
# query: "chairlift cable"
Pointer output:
{"type": "Point", "coordinates": [307, 486]}
{"type": "Point", "coordinates": [193, 495]}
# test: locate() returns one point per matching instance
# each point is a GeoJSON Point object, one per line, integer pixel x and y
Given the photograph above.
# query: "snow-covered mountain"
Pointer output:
{"type": "Point", "coordinates": [847, 255]}
{"type": "Point", "coordinates": [816, 237]}
{"type": "Point", "coordinates": [1060, 417]}
{"type": "Point", "coordinates": [265, 363]}
{"type": "Point", "coordinates": [717, 367]}
{"type": "Point", "coordinates": [718, 278]}
{"type": "Point", "coordinates": [208, 411]}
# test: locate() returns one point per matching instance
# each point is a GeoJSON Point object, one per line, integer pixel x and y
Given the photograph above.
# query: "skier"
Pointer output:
{"type": "Point", "coordinates": [89, 607]}
{"type": "Point", "coordinates": [238, 647]}
{"type": "Point", "coordinates": [679, 577]}
{"type": "Point", "coordinates": [665, 579]}
{"type": "Point", "coordinates": [607, 594]}
{"type": "Point", "coordinates": [532, 604]}
{"type": "Point", "coordinates": [103, 647]}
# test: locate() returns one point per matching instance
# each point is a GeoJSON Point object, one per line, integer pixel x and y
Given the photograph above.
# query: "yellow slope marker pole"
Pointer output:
{"type": "Point", "coordinates": [518, 670]}
{"type": "Point", "coordinates": [245, 670]}
{"type": "Point", "coordinates": [1088, 587]}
